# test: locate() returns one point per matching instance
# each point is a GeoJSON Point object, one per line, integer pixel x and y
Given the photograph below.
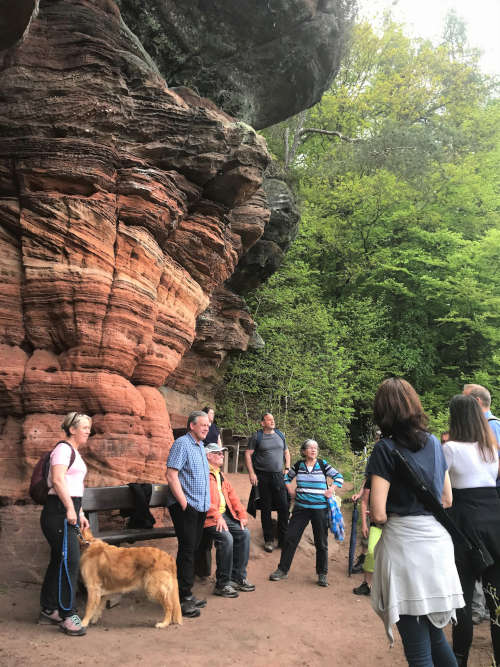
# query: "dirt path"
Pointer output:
{"type": "Point", "coordinates": [292, 622]}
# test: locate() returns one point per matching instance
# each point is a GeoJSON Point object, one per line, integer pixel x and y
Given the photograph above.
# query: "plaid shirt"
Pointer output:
{"type": "Point", "coordinates": [189, 458]}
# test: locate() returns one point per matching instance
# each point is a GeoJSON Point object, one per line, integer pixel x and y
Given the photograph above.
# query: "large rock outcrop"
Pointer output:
{"type": "Point", "coordinates": [262, 62]}
{"type": "Point", "coordinates": [124, 205]}
{"type": "Point", "coordinates": [266, 255]}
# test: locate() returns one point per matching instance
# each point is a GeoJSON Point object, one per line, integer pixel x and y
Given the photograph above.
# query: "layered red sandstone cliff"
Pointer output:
{"type": "Point", "coordinates": [124, 206]}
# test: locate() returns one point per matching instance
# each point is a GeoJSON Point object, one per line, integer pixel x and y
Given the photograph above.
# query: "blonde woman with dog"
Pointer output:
{"type": "Point", "coordinates": [60, 515]}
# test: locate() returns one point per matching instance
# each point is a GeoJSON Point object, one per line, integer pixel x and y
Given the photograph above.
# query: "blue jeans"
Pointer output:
{"type": "Point", "coordinates": [424, 644]}
{"type": "Point", "coordinates": [232, 549]}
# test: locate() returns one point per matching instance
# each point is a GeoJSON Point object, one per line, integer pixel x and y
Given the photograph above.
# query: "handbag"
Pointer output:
{"type": "Point", "coordinates": [478, 556]}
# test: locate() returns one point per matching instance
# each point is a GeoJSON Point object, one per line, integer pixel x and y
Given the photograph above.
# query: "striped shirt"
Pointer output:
{"type": "Point", "coordinates": [311, 486]}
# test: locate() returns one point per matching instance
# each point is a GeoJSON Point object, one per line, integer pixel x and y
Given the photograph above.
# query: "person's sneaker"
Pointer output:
{"type": "Point", "coordinates": [362, 589]}
{"type": "Point", "coordinates": [244, 585]}
{"type": "Point", "coordinates": [269, 547]}
{"type": "Point", "coordinates": [189, 609]}
{"type": "Point", "coordinates": [197, 603]}
{"type": "Point", "coordinates": [277, 575]}
{"type": "Point", "coordinates": [226, 591]}
{"type": "Point", "coordinates": [48, 617]}
{"type": "Point", "coordinates": [72, 625]}
{"type": "Point", "coordinates": [357, 568]}
{"type": "Point", "coordinates": [322, 580]}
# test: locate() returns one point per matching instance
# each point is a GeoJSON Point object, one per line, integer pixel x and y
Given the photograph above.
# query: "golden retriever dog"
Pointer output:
{"type": "Point", "coordinates": [107, 569]}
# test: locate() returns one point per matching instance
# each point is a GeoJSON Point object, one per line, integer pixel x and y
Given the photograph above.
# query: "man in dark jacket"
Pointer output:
{"type": "Point", "coordinates": [266, 451]}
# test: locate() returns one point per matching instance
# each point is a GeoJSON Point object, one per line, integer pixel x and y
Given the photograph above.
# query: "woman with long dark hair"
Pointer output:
{"type": "Point", "coordinates": [415, 581]}
{"type": "Point", "coordinates": [472, 458]}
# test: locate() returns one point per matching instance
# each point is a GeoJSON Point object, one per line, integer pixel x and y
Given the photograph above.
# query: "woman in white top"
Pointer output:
{"type": "Point", "coordinates": [472, 458]}
{"type": "Point", "coordinates": [60, 514]}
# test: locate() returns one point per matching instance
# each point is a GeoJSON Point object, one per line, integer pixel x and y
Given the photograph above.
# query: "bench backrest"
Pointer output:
{"type": "Point", "coordinates": [101, 498]}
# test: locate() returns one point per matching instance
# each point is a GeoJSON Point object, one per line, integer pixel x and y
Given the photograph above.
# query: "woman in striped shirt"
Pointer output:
{"type": "Point", "coordinates": [311, 493]}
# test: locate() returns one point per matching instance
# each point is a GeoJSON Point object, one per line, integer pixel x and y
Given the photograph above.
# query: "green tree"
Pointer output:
{"type": "Point", "coordinates": [396, 260]}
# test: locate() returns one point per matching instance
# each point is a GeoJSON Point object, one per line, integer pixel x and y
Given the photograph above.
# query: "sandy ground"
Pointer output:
{"type": "Point", "coordinates": [292, 622]}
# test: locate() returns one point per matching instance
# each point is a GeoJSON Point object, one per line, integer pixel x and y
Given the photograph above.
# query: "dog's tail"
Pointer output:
{"type": "Point", "coordinates": [161, 586]}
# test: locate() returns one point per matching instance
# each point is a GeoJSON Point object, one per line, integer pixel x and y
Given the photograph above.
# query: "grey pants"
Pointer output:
{"type": "Point", "coordinates": [479, 603]}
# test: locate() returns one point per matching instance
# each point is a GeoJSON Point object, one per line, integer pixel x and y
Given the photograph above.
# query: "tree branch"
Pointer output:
{"type": "Point", "coordinates": [304, 134]}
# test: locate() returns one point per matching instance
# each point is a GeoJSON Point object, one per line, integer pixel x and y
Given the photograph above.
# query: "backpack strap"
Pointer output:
{"type": "Point", "coordinates": [258, 438]}
{"type": "Point", "coordinates": [281, 435]}
{"type": "Point", "coordinates": [323, 467]}
{"type": "Point", "coordinates": [73, 452]}
{"type": "Point", "coordinates": [260, 433]}
{"type": "Point", "coordinates": [321, 462]}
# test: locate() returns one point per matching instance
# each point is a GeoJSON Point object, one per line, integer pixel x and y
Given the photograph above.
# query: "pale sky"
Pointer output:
{"type": "Point", "coordinates": [425, 18]}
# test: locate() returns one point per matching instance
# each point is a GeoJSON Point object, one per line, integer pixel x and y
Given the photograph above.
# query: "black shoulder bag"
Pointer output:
{"type": "Point", "coordinates": [478, 556]}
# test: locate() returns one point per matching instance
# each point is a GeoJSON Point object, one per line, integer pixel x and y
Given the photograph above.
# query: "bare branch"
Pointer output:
{"type": "Point", "coordinates": [304, 134]}
{"type": "Point", "coordinates": [296, 139]}
{"type": "Point", "coordinates": [287, 147]}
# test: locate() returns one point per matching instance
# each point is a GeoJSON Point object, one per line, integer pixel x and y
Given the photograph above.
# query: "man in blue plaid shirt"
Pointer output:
{"type": "Point", "coordinates": [189, 500]}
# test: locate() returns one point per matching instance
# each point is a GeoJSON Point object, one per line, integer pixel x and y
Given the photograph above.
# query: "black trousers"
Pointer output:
{"type": "Point", "coordinates": [273, 493]}
{"type": "Point", "coordinates": [298, 522]}
{"type": "Point", "coordinates": [188, 526]}
{"type": "Point", "coordinates": [52, 523]}
{"type": "Point", "coordinates": [463, 630]}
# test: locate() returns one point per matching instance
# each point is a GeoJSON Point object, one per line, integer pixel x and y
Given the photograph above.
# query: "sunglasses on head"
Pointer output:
{"type": "Point", "coordinates": [75, 417]}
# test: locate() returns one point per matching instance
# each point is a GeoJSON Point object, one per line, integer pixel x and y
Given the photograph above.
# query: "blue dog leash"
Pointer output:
{"type": "Point", "coordinates": [64, 563]}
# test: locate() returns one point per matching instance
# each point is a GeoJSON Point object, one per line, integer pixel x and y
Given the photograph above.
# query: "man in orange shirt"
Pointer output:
{"type": "Point", "coordinates": [226, 524]}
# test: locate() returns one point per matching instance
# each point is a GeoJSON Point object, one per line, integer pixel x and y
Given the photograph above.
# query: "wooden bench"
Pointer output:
{"type": "Point", "coordinates": [105, 498]}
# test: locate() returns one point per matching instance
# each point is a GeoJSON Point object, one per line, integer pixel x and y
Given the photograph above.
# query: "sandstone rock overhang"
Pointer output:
{"type": "Point", "coordinates": [261, 61]}
{"type": "Point", "coordinates": [124, 205]}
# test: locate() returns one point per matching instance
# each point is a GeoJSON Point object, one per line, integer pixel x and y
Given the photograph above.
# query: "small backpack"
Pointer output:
{"type": "Point", "coordinates": [39, 485]}
{"type": "Point", "coordinates": [322, 465]}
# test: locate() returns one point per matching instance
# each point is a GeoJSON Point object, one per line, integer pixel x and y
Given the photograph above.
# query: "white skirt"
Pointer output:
{"type": "Point", "coordinates": [415, 572]}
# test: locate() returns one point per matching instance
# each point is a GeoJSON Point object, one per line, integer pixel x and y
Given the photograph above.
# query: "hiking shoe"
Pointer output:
{"type": "Point", "coordinates": [226, 591]}
{"type": "Point", "coordinates": [357, 568]}
{"type": "Point", "coordinates": [244, 585]}
{"type": "Point", "coordinates": [48, 617]}
{"type": "Point", "coordinates": [268, 546]}
{"type": "Point", "coordinates": [362, 589]}
{"type": "Point", "coordinates": [277, 575]}
{"type": "Point", "coordinates": [189, 609]}
{"type": "Point", "coordinates": [72, 625]}
{"type": "Point", "coordinates": [322, 580]}
{"type": "Point", "coordinates": [197, 603]}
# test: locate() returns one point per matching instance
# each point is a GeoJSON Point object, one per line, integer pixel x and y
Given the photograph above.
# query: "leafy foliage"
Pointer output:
{"type": "Point", "coordinates": [395, 270]}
